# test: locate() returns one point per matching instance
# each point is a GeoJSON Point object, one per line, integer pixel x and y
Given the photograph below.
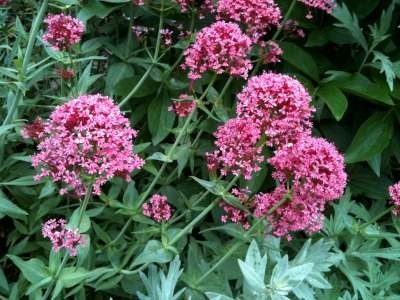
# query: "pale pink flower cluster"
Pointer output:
{"type": "Point", "coordinates": [205, 6]}
{"type": "Point", "coordinates": [221, 47]}
{"type": "Point", "coordinates": [140, 31]}
{"type": "Point", "coordinates": [184, 107]}
{"type": "Point", "coordinates": [166, 35]}
{"type": "Point", "coordinates": [257, 15]}
{"type": "Point", "coordinates": [394, 192]}
{"type": "Point", "coordinates": [63, 31]}
{"type": "Point", "coordinates": [271, 52]}
{"type": "Point", "coordinates": [238, 152]}
{"type": "Point", "coordinates": [234, 214]}
{"type": "Point", "coordinates": [310, 173]}
{"type": "Point", "coordinates": [157, 208]}
{"type": "Point", "coordinates": [62, 237]}
{"type": "Point", "coordinates": [86, 140]}
{"type": "Point", "coordinates": [279, 104]}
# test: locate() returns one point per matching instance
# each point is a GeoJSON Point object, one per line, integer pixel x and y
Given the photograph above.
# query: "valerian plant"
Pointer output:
{"type": "Point", "coordinates": [178, 149]}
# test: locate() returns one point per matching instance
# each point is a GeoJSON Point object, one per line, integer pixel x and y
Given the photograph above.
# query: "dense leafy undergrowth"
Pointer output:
{"type": "Point", "coordinates": [176, 149]}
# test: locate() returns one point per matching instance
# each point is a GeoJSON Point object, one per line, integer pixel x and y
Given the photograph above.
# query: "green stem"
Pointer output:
{"type": "Point", "coordinates": [66, 255]}
{"type": "Point", "coordinates": [236, 245]}
{"type": "Point", "coordinates": [277, 32]}
{"type": "Point", "coordinates": [160, 26]}
{"type": "Point", "coordinates": [204, 212]}
{"type": "Point", "coordinates": [377, 217]}
{"type": "Point", "coordinates": [136, 87]}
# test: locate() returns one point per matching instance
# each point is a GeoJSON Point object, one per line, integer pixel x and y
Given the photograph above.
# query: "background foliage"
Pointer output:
{"type": "Point", "coordinates": [350, 63]}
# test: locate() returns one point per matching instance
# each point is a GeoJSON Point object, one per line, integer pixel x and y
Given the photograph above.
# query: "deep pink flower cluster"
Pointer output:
{"type": "Point", "coordinates": [138, 2]}
{"type": "Point", "coordinates": [279, 104]}
{"type": "Point", "coordinates": [86, 139]}
{"type": "Point", "coordinates": [157, 208]}
{"type": "Point", "coordinates": [63, 31]}
{"type": "Point", "coordinates": [221, 47]}
{"type": "Point", "coordinates": [65, 73]}
{"type": "Point", "coordinates": [257, 15]}
{"type": "Point", "coordinates": [234, 214]}
{"type": "Point", "coordinates": [62, 237]}
{"type": "Point", "coordinates": [238, 152]}
{"type": "Point", "coordinates": [183, 108]}
{"type": "Point", "coordinates": [394, 192]}
{"type": "Point", "coordinates": [33, 131]}
{"type": "Point", "coordinates": [4, 2]}
{"type": "Point", "coordinates": [313, 171]}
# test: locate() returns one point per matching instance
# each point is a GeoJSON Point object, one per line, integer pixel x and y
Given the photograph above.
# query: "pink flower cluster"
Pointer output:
{"type": "Point", "coordinates": [33, 131]}
{"type": "Point", "coordinates": [157, 208]}
{"type": "Point", "coordinates": [309, 174]}
{"type": "Point", "coordinates": [63, 31]}
{"type": "Point", "coordinates": [394, 192]}
{"type": "Point", "coordinates": [272, 52]}
{"type": "Point", "coordinates": [257, 15]}
{"type": "Point", "coordinates": [326, 5]}
{"type": "Point", "coordinates": [238, 151]}
{"type": "Point", "coordinates": [65, 73]}
{"type": "Point", "coordinates": [86, 140]}
{"type": "Point", "coordinates": [184, 107]}
{"type": "Point", "coordinates": [221, 47]}
{"type": "Point", "coordinates": [279, 104]}
{"type": "Point", "coordinates": [4, 2]}
{"type": "Point", "coordinates": [234, 214]}
{"type": "Point", "coordinates": [62, 237]}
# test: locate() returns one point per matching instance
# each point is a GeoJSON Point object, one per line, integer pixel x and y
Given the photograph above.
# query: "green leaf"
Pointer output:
{"type": "Point", "coordinates": [386, 66]}
{"type": "Point", "coordinates": [350, 22]}
{"type": "Point", "coordinates": [22, 181]}
{"type": "Point", "coordinates": [359, 85]}
{"type": "Point", "coordinates": [335, 99]}
{"type": "Point", "coordinates": [300, 59]}
{"type": "Point", "coordinates": [371, 138]}
{"type": "Point", "coordinates": [85, 222]}
{"type": "Point", "coordinates": [10, 209]}
{"type": "Point", "coordinates": [252, 278]}
{"type": "Point", "coordinates": [115, 73]}
{"type": "Point", "coordinates": [3, 282]}
{"type": "Point", "coordinates": [72, 276]}
{"type": "Point", "coordinates": [160, 120]}
{"type": "Point", "coordinates": [153, 252]}
{"type": "Point", "coordinates": [33, 270]}
{"type": "Point", "coordinates": [160, 157]}
{"type": "Point", "coordinates": [216, 296]}
{"type": "Point", "coordinates": [210, 186]}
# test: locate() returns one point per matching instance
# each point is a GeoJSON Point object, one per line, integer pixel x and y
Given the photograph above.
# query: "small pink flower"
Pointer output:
{"type": "Point", "coordinates": [279, 105]}
{"type": "Point", "coordinates": [87, 137]}
{"type": "Point", "coordinates": [221, 47]}
{"type": "Point", "coordinates": [184, 107]}
{"type": "Point", "coordinates": [62, 237]}
{"type": "Point", "coordinates": [138, 2]}
{"type": "Point", "coordinates": [235, 214]}
{"type": "Point", "coordinates": [238, 152]}
{"type": "Point", "coordinates": [157, 208]}
{"type": "Point", "coordinates": [140, 31]}
{"type": "Point", "coordinates": [166, 35]}
{"type": "Point", "coordinates": [394, 192]}
{"type": "Point", "coordinates": [204, 7]}
{"type": "Point", "coordinates": [272, 52]}
{"type": "Point", "coordinates": [63, 31]}
{"type": "Point", "coordinates": [291, 29]}
{"type": "Point", "coordinates": [257, 15]}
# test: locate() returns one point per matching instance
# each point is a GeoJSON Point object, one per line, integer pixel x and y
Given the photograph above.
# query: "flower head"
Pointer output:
{"type": "Point", "coordinates": [394, 192]}
{"type": "Point", "coordinates": [63, 31]}
{"type": "Point", "coordinates": [86, 138]}
{"type": "Point", "coordinates": [184, 107]}
{"type": "Point", "coordinates": [272, 52]}
{"type": "Point", "coordinates": [157, 208]}
{"type": "Point", "coordinates": [221, 47]}
{"type": "Point", "coordinates": [65, 73]}
{"type": "Point", "coordinates": [257, 15]}
{"type": "Point", "coordinates": [310, 173]}
{"type": "Point", "coordinates": [4, 2]}
{"type": "Point", "coordinates": [33, 131]}
{"type": "Point", "coordinates": [279, 104]}
{"type": "Point", "coordinates": [238, 152]}
{"type": "Point", "coordinates": [62, 237]}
